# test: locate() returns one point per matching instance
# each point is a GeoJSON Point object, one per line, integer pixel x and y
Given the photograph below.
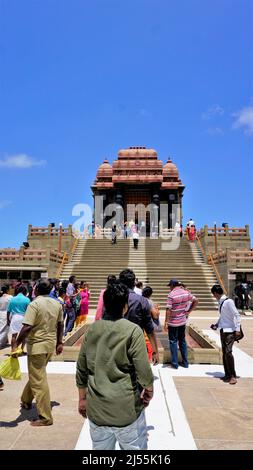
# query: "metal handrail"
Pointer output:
{"type": "Point", "coordinates": [211, 261]}
{"type": "Point", "coordinates": [64, 261]}
{"type": "Point", "coordinates": [219, 277]}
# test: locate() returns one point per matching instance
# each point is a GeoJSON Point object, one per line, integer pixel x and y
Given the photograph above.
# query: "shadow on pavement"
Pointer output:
{"type": "Point", "coordinates": [216, 375]}
{"type": "Point", "coordinates": [25, 415]}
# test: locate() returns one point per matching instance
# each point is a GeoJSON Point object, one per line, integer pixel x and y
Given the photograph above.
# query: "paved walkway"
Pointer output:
{"type": "Point", "coordinates": [192, 408]}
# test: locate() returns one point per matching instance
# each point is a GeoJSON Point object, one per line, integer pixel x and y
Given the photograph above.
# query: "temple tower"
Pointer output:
{"type": "Point", "coordinates": [138, 177]}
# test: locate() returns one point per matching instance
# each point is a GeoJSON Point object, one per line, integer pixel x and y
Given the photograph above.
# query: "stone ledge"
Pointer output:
{"type": "Point", "coordinates": [75, 334]}
{"type": "Point", "coordinates": [207, 353]}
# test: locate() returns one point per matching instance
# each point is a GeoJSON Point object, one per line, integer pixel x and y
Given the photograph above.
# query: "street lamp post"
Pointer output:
{"type": "Point", "coordinates": [60, 238]}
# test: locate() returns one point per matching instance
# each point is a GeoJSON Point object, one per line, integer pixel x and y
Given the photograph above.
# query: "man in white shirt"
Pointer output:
{"type": "Point", "coordinates": [229, 324]}
{"type": "Point", "coordinates": [71, 286]}
{"type": "Point", "coordinates": [138, 287]}
{"type": "Point", "coordinates": [136, 240]}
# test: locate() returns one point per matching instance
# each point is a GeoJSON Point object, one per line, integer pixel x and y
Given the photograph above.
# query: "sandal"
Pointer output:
{"type": "Point", "coordinates": [40, 422]}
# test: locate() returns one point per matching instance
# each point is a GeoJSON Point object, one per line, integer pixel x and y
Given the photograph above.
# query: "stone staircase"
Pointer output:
{"type": "Point", "coordinates": [93, 260]}
{"type": "Point", "coordinates": [137, 260]}
{"type": "Point", "coordinates": [185, 264]}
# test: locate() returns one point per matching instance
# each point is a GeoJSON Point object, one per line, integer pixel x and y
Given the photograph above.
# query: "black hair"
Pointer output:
{"type": "Point", "coordinates": [127, 277]}
{"type": "Point", "coordinates": [22, 290]}
{"type": "Point", "coordinates": [115, 299]}
{"type": "Point", "coordinates": [147, 292]}
{"type": "Point", "coordinates": [71, 279]}
{"type": "Point", "coordinates": [43, 287]}
{"type": "Point", "coordinates": [62, 291]}
{"type": "Point", "coordinates": [139, 284]}
{"type": "Point", "coordinates": [217, 289]}
{"type": "Point", "coordinates": [64, 284]}
{"type": "Point", "coordinates": [111, 279]}
{"type": "Point", "coordinates": [4, 290]}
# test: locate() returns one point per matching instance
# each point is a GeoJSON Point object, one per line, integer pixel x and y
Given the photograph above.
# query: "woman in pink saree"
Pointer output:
{"type": "Point", "coordinates": [192, 233]}
{"type": "Point", "coordinates": [84, 304]}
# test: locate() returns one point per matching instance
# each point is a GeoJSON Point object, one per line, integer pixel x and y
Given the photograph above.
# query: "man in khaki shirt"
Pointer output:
{"type": "Point", "coordinates": [43, 328]}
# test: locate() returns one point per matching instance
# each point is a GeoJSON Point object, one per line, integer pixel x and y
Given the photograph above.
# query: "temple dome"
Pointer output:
{"type": "Point", "coordinates": [170, 169]}
{"type": "Point", "coordinates": [105, 169]}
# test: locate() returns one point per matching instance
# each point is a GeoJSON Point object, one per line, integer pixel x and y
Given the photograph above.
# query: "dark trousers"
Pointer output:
{"type": "Point", "coordinates": [177, 335]}
{"type": "Point", "coordinates": [227, 341]}
{"type": "Point", "coordinates": [136, 241]}
{"type": "Point", "coordinates": [71, 317]}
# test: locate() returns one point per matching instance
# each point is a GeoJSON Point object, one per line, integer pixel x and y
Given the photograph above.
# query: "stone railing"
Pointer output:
{"type": "Point", "coordinates": [49, 231]}
{"type": "Point", "coordinates": [224, 232]}
{"type": "Point", "coordinates": [56, 257]}
{"type": "Point", "coordinates": [9, 254]}
{"type": "Point", "coordinates": [233, 257]}
{"type": "Point", "coordinates": [214, 239]}
{"type": "Point", "coordinates": [220, 257]}
{"type": "Point", "coordinates": [30, 256]}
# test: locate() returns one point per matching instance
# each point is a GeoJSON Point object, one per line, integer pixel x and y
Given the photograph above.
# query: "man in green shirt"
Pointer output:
{"type": "Point", "coordinates": [114, 377]}
{"type": "Point", "coordinates": [43, 328]}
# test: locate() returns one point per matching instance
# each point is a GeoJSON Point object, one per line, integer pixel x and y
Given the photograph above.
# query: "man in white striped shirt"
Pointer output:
{"type": "Point", "coordinates": [229, 324]}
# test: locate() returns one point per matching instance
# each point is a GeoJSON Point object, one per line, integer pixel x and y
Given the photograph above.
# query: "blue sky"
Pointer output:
{"type": "Point", "coordinates": [81, 79]}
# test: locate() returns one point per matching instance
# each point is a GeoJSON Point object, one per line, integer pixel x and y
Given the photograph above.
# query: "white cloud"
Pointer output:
{"type": "Point", "coordinates": [214, 110]}
{"type": "Point", "coordinates": [244, 119]}
{"type": "Point", "coordinates": [20, 161]}
{"type": "Point", "coordinates": [4, 204]}
{"type": "Point", "coordinates": [215, 131]}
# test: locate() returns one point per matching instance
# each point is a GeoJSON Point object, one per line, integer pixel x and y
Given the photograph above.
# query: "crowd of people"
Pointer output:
{"type": "Point", "coordinates": [128, 230]}
{"type": "Point", "coordinates": [243, 294]}
{"type": "Point", "coordinates": [113, 357]}
{"type": "Point", "coordinates": [136, 230]}
{"type": "Point", "coordinates": [73, 297]}
{"type": "Point", "coordinates": [113, 377]}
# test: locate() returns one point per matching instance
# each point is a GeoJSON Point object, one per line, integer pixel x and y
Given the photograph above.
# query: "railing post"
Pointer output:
{"type": "Point", "coordinates": [29, 230]}
{"type": "Point", "coordinates": [226, 230]}
{"type": "Point", "coordinates": [215, 238]}
{"type": "Point", "coordinates": [21, 253]}
{"type": "Point", "coordinates": [60, 238]}
{"type": "Point", "coordinates": [247, 231]}
{"type": "Point", "coordinates": [206, 230]}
